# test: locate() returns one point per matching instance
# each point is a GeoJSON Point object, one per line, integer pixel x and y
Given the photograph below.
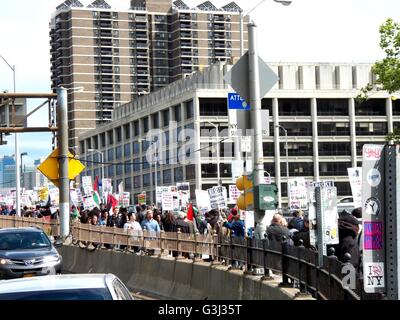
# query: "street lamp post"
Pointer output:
{"type": "Point", "coordinates": [287, 155]}
{"type": "Point", "coordinates": [22, 171]}
{"type": "Point", "coordinates": [17, 174]}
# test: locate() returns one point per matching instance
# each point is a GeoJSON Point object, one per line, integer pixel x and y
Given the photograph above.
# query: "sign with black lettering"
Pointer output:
{"type": "Point", "coordinates": [218, 197]}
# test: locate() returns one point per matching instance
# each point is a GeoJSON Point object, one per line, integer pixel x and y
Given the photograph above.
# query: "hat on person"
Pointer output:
{"type": "Point", "coordinates": [234, 211]}
{"type": "Point", "coordinates": [350, 219]}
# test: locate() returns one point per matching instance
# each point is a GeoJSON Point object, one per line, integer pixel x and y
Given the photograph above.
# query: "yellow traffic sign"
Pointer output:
{"type": "Point", "coordinates": [50, 167]}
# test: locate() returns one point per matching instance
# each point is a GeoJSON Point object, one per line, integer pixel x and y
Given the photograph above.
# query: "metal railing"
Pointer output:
{"type": "Point", "coordinates": [297, 265]}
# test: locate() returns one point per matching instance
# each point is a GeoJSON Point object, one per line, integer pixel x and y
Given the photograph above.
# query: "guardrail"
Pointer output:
{"type": "Point", "coordinates": [297, 265]}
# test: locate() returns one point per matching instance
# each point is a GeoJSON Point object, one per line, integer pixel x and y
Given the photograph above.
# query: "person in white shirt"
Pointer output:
{"type": "Point", "coordinates": [133, 228]}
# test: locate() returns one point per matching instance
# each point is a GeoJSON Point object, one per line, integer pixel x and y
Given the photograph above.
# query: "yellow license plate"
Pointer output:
{"type": "Point", "coordinates": [28, 275]}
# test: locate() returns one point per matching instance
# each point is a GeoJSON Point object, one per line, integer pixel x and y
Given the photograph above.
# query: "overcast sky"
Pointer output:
{"type": "Point", "coordinates": [305, 31]}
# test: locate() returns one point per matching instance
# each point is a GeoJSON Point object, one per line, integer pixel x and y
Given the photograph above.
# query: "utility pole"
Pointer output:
{"type": "Point", "coordinates": [255, 103]}
{"type": "Point", "coordinates": [62, 143]}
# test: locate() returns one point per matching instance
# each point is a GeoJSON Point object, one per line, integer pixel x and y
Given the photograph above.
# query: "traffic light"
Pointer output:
{"type": "Point", "coordinates": [246, 199]}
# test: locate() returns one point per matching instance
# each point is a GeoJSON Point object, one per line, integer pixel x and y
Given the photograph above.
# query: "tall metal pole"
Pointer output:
{"type": "Point", "coordinates": [218, 159]}
{"type": "Point", "coordinates": [287, 157]}
{"type": "Point", "coordinates": [155, 178]}
{"type": "Point", "coordinates": [17, 164]}
{"type": "Point", "coordinates": [255, 103]}
{"type": "Point", "coordinates": [62, 143]}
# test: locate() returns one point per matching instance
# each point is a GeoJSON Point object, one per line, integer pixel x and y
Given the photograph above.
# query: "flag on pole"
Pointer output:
{"type": "Point", "coordinates": [112, 202]}
{"type": "Point", "coordinates": [121, 188]}
{"type": "Point", "coordinates": [190, 212]}
{"type": "Point", "coordinates": [96, 198]}
{"type": "Point", "coordinates": [96, 184]}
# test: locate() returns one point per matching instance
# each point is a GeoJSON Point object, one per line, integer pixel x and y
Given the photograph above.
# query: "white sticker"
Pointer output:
{"type": "Point", "coordinates": [372, 206]}
{"type": "Point", "coordinates": [374, 275]}
{"type": "Point", "coordinates": [373, 177]}
{"type": "Point", "coordinates": [372, 152]}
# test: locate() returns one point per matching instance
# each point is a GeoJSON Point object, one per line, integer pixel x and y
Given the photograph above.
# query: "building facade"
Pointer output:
{"type": "Point", "coordinates": [315, 103]}
{"type": "Point", "coordinates": [7, 172]}
{"type": "Point", "coordinates": [111, 57]}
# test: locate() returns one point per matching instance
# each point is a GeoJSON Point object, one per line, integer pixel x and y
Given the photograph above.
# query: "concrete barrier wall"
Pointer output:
{"type": "Point", "coordinates": [174, 279]}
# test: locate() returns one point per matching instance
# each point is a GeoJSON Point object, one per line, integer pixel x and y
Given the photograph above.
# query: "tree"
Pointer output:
{"type": "Point", "coordinates": [387, 70]}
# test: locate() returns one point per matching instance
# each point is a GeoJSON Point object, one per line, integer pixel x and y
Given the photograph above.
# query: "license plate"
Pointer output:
{"type": "Point", "coordinates": [28, 275]}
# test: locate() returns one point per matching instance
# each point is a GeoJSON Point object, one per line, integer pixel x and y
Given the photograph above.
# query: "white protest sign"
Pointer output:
{"type": "Point", "coordinates": [126, 199]}
{"type": "Point", "coordinates": [217, 197]}
{"type": "Point", "coordinates": [203, 200]}
{"type": "Point", "coordinates": [54, 194]}
{"type": "Point", "coordinates": [297, 194]}
{"type": "Point", "coordinates": [88, 202]}
{"type": "Point", "coordinates": [249, 219]}
{"type": "Point", "coordinates": [87, 185]}
{"type": "Point", "coordinates": [159, 193]}
{"type": "Point", "coordinates": [167, 201]}
{"type": "Point", "coordinates": [234, 194]}
{"type": "Point", "coordinates": [355, 178]}
{"type": "Point", "coordinates": [74, 197]}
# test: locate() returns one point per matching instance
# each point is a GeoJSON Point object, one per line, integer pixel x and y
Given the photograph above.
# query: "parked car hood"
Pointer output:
{"type": "Point", "coordinates": [26, 254]}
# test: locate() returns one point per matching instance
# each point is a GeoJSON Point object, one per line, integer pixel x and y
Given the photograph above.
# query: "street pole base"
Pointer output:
{"type": "Point", "coordinates": [302, 295]}
{"type": "Point", "coordinates": [285, 285]}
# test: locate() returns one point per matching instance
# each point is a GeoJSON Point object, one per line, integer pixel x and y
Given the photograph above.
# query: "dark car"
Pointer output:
{"type": "Point", "coordinates": [27, 252]}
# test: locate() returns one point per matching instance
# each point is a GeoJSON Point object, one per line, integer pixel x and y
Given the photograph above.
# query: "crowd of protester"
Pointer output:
{"type": "Point", "coordinates": [296, 231]}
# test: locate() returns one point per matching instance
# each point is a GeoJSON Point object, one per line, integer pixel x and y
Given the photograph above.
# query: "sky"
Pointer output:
{"type": "Point", "coordinates": [305, 31]}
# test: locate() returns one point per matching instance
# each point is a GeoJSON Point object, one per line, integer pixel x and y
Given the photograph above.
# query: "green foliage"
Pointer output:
{"type": "Point", "coordinates": [394, 136]}
{"type": "Point", "coordinates": [388, 69]}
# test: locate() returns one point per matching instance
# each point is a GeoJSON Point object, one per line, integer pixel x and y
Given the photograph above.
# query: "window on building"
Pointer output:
{"type": "Point", "coordinates": [118, 134]}
{"type": "Point", "coordinates": [209, 170]}
{"type": "Point", "coordinates": [298, 169]}
{"type": "Point", "coordinates": [146, 180]}
{"type": "Point", "coordinates": [294, 107]}
{"type": "Point", "coordinates": [110, 137]}
{"type": "Point", "coordinates": [296, 149]}
{"type": "Point", "coordinates": [136, 128]}
{"type": "Point", "coordinates": [165, 115]}
{"type": "Point", "coordinates": [334, 149]}
{"type": "Point", "coordinates": [213, 107]}
{"type": "Point", "coordinates": [128, 184]}
{"type": "Point", "coordinates": [333, 107]}
{"type": "Point", "coordinates": [177, 113]}
{"type": "Point", "coordinates": [333, 129]}
{"type": "Point", "coordinates": [371, 128]}
{"type": "Point", "coordinates": [111, 171]}
{"type": "Point", "coordinates": [396, 107]}
{"type": "Point", "coordinates": [189, 112]}
{"type": "Point", "coordinates": [102, 140]}
{"type": "Point", "coordinates": [137, 182]}
{"type": "Point", "coordinates": [118, 153]}
{"type": "Point", "coordinates": [371, 107]}
{"type": "Point", "coordinates": [155, 121]}
{"type": "Point", "coordinates": [110, 155]}
{"type": "Point", "coordinates": [127, 131]}
{"type": "Point", "coordinates": [178, 174]}
{"type": "Point", "coordinates": [343, 189]}
{"type": "Point", "coordinates": [128, 167]}
{"type": "Point", "coordinates": [297, 128]}
{"type": "Point", "coordinates": [167, 177]}
{"type": "Point", "coordinates": [190, 172]}
{"type": "Point", "coordinates": [136, 147]}
{"type": "Point", "coordinates": [145, 124]}
{"type": "Point", "coordinates": [127, 150]}
{"type": "Point", "coordinates": [145, 164]}
{"type": "Point", "coordinates": [136, 165]}
{"type": "Point", "coordinates": [334, 168]}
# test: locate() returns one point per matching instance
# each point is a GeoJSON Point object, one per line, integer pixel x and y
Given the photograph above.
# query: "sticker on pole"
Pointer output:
{"type": "Point", "coordinates": [373, 177]}
{"type": "Point", "coordinates": [372, 206]}
{"type": "Point", "coordinates": [374, 275]}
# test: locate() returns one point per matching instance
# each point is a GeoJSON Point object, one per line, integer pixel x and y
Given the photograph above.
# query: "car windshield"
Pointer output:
{"type": "Point", "coordinates": [23, 240]}
{"type": "Point", "coordinates": [69, 294]}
